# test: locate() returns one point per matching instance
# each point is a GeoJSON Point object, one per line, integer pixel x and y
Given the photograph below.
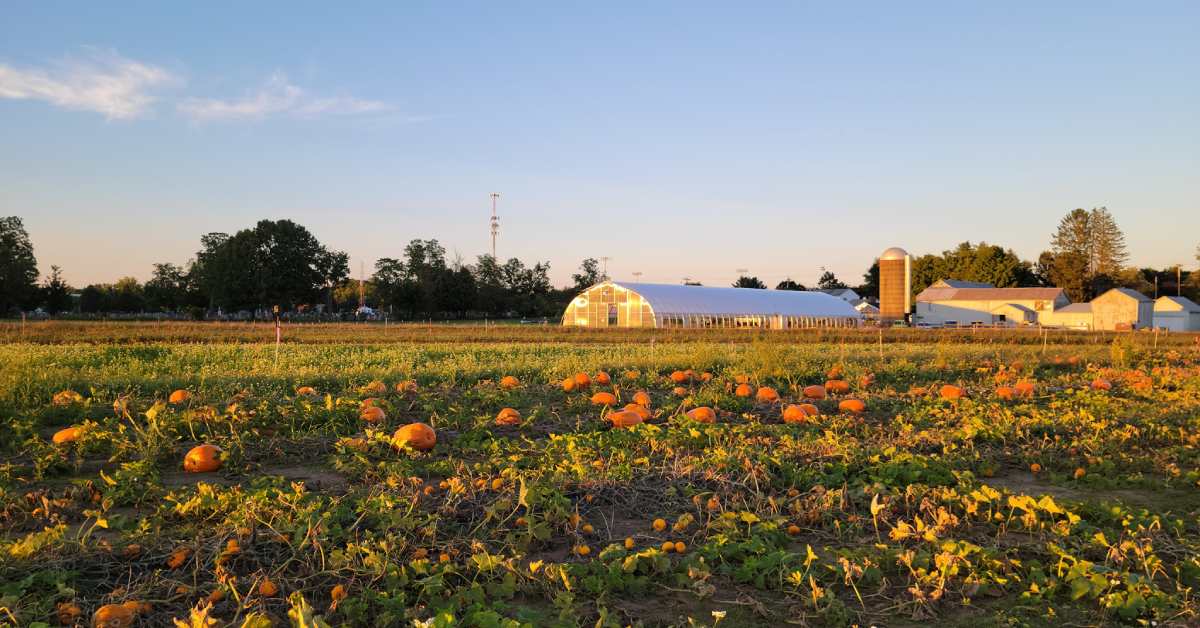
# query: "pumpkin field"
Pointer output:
{"type": "Point", "coordinates": [445, 477]}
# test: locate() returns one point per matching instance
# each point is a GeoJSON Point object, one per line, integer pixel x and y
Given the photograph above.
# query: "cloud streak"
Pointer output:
{"type": "Point", "coordinates": [277, 96]}
{"type": "Point", "coordinates": [104, 82]}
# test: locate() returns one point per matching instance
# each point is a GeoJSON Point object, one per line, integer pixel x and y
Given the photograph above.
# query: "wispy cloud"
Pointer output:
{"type": "Point", "coordinates": [103, 82]}
{"type": "Point", "coordinates": [277, 96]}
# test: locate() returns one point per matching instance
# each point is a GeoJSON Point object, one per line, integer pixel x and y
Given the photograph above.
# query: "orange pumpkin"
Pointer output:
{"type": "Point", "coordinates": [866, 380]}
{"type": "Point", "coordinates": [835, 372]}
{"type": "Point", "coordinates": [179, 396]}
{"type": "Point", "coordinates": [766, 394]}
{"type": "Point", "coordinates": [306, 391]}
{"type": "Point", "coordinates": [744, 390]}
{"type": "Point", "coordinates": [508, 382]}
{"type": "Point", "coordinates": [67, 435]}
{"type": "Point", "coordinates": [66, 398]}
{"type": "Point", "coordinates": [679, 391]}
{"type": "Point", "coordinates": [706, 377]}
{"type": "Point", "coordinates": [624, 418]}
{"type": "Point", "coordinates": [569, 385]}
{"type": "Point", "coordinates": [582, 380]}
{"type": "Point", "coordinates": [266, 588]}
{"type": "Point", "coordinates": [374, 388]}
{"type": "Point", "coordinates": [837, 386]}
{"type": "Point", "coordinates": [703, 414]}
{"type": "Point", "coordinates": [202, 459]}
{"type": "Point", "coordinates": [632, 375]}
{"type": "Point", "coordinates": [1024, 388]}
{"type": "Point", "coordinates": [795, 414]}
{"type": "Point", "coordinates": [642, 398]}
{"type": "Point", "coordinates": [372, 414]}
{"type": "Point", "coordinates": [118, 615]}
{"type": "Point", "coordinates": [741, 379]}
{"type": "Point", "coordinates": [679, 377]}
{"type": "Point", "coordinates": [641, 411]}
{"type": "Point", "coordinates": [416, 435]}
{"type": "Point", "coordinates": [814, 392]}
{"type": "Point", "coordinates": [602, 378]}
{"type": "Point", "coordinates": [1006, 393]}
{"type": "Point", "coordinates": [604, 399]}
{"type": "Point", "coordinates": [508, 416]}
{"type": "Point", "coordinates": [406, 387]}
{"type": "Point", "coordinates": [951, 392]}
{"type": "Point", "coordinates": [853, 406]}
{"type": "Point", "coordinates": [1101, 384]}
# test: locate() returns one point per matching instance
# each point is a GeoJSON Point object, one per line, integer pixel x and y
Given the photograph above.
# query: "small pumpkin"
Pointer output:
{"type": "Point", "coordinates": [604, 399]}
{"type": "Point", "coordinates": [1101, 384]}
{"type": "Point", "coordinates": [416, 435]}
{"type": "Point", "coordinates": [508, 416]}
{"type": "Point", "coordinates": [202, 459]}
{"type": "Point", "coordinates": [743, 390]}
{"type": "Point", "coordinates": [306, 391]}
{"type": "Point", "coordinates": [67, 435]}
{"type": "Point", "coordinates": [814, 392]}
{"type": "Point", "coordinates": [179, 396]}
{"type": "Point", "coordinates": [267, 588]}
{"type": "Point", "coordinates": [766, 394]}
{"type": "Point", "coordinates": [837, 386]}
{"type": "Point", "coordinates": [602, 378]}
{"type": "Point", "coordinates": [624, 418]}
{"type": "Point", "coordinates": [679, 377]}
{"type": "Point", "coordinates": [372, 414]}
{"type": "Point", "coordinates": [117, 615]}
{"type": "Point", "coordinates": [508, 382]}
{"type": "Point", "coordinates": [569, 385]}
{"type": "Point", "coordinates": [1024, 388]}
{"type": "Point", "coordinates": [853, 406]}
{"type": "Point", "coordinates": [642, 398]}
{"type": "Point", "coordinates": [375, 388]}
{"type": "Point", "coordinates": [582, 380]}
{"type": "Point", "coordinates": [950, 392]}
{"type": "Point", "coordinates": [679, 391]}
{"type": "Point", "coordinates": [632, 375]}
{"type": "Point", "coordinates": [641, 410]}
{"type": "Point", "coordinates": [1006, 393]}
{"type": "Point", "coordinates": [406, 387]}
{"type": "Point", "coordinates": [702, 414]}
{"type": "Point", "coordinates": [795, 414]}
{"type": "Point", "coordinates": [66, 398]}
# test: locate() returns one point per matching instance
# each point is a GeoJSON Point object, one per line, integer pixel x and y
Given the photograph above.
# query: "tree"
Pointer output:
{"type": "Point", "coordinates": [127, 295]}
{"type": "Point", "coordinates": [829, 281]}
{"type": "Point", "coordinates": [749, 282]}
{"type": "Point", "coordinates": [1087, 252]}
{"type": "Point", "coordinates": [981, 262]}
{"type": "Point", "coordinates": [167, 289]}
{"type": "Point", "coordinates": [1109, 254]}
{"type": "Point", "coordinates": [18, 266]}
{"type": "Point", "coordinates": [56, 293]}
{"type": "Point", "coordinates": [588, 275]}
{"type": "Point", "coordinates": [870, 284]}
{"type": "Point", "coordinates": [788, 284]}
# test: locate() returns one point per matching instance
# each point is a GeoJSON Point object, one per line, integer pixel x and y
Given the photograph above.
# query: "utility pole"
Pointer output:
{"type": "Point", "coordinates": [637, 275]}
{"type": "Point", "coordinates": [1179, 280]}
{"type": "Point", "coordinates": [604, 259]}
{"type": "Point", "coordinates": [362, 291]}
{"type": "Point", "coordinates": [495, 223]}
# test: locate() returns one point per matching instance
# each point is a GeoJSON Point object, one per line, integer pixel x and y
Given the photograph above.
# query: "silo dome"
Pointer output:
{"type": "Point", "coordinates": [894, 253]}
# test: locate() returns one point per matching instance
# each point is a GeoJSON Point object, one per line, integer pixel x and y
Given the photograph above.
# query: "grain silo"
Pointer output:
{"type": "Point", "coordinates": [895, 285]}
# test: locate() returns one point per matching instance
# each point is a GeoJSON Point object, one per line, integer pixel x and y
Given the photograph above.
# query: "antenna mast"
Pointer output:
{"type": "Point", "coordinates": [495, 223]}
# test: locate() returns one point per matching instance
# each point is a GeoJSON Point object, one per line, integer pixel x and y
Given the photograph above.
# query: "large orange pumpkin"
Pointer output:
{"type": "Point", "coordinates": [702, 414]}
{"type": "Point", "coordinates": [814, 392]}
{"type": "Point", "coordinates": [1024, 388]}
{"type": "Point", "coordinates": [744, 390]}
{"type": "Point", "coordinates": [837, 386]}
{"type": "Point", "coordinates": [202, 459]}
{"type": "Point", "coordinates": [582, 380]}
{"type": "Point", "coordinates": [624, 418]}
{"type": "Point", "coordinates": [853, 406]}
{"type": "Point", "coordinates": [951, 392]}
{"type": "Point", "coordinates": [795, 414]}
{"type": "Point", "coordinates": [179, 396]}
{"type": "Point", "coordinates": [641, 411]}
{"type": "Point", "coordinates": [67, 435]}
{"type": "Point", "coordinates": [678, 377]}
{"type": "Point", "coordinates": [569, 385]}
{"type": "Point", "coordinates": [372, 414]}
{"type": "Point", "coordinates": [508, 382]}
{"type": "Point", "coordinates": [1006, 393]}
{"type": "Point", "coordinates": [416, 435]}
{"type": "Point", "coordinates": [642, 398]}
{"type": "Point", "coordinates": [602, 378]}
{"type": "Point", "coordinates": [604, 399]}
{"type": "Point", "coordinates": [508, 416]}
{"type": "Point", "coordinates": [766, 394]}
{"type": "Point", "coordinates": [118, 615]}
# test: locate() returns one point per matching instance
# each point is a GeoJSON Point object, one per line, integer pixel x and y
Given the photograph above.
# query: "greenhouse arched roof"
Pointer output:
{"type": "Point", "coordinates": [680, 299]}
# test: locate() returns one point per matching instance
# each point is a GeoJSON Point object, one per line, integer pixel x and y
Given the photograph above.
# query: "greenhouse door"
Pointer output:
{"type": "Point", "coordinates": [612, 314]}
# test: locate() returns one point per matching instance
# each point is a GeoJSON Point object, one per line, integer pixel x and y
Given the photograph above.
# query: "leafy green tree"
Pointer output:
{"type": "Point", "coordinates": [589, 275]}
{"type": "Point", "coordinates": [18, 266]}
{"type": "Point", "coordinates": [829, 281]}
{"type": "Point", "coordinates": [788, 284]}
{"type": "Point", "coordinates": [127, 295]}
{"type": "Point", "coordinates": [56, 293]}
{"type": "Point", "coordinates": [749, 282]}
{"type": "Point", "coordinates": [870, 284]}
{"type": "Point", "coordinates": [167, 288]}
{"type": "Point", "coordinates": [974, 262]}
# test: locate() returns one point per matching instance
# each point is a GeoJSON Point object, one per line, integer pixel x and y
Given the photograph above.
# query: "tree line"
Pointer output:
{"type": "Point", "coordinates": [282, 263]}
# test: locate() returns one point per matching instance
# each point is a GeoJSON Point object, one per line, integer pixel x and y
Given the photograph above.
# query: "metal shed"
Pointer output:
{"type": "Point", "coordinates": [621, 304]}
{"type": "Point", "coordinates": [1177, 314]}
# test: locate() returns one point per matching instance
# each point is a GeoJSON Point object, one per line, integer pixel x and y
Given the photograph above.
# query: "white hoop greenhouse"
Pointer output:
{"type": "Point", "coordinates": [612, 304]}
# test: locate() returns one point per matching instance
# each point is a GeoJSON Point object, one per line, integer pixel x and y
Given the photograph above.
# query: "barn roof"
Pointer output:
{"type": "Point", "coordinates": [1185, 304]}
{"type": "Point", "coordinates": [989, 294]}
{"type": "Point", "coordinates": [679, 299]}
{"type": "Point", "coordinates": [959, 283]}
{"type": "Point", "coordinates": [1076, 308]}
{"type": "Point", "coordinates": [1133, 294]}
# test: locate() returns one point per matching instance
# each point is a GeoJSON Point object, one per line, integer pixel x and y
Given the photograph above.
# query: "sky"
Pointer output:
{"type": "Point", "coordinates": [678, 139]}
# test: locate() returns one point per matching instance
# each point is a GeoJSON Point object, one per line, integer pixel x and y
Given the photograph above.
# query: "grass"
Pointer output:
{"type": "Point", "coordinates": [918, 510]}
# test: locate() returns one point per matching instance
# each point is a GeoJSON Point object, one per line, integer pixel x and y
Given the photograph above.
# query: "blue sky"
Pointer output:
{"type": "Point", "coordinates": [680, 139]}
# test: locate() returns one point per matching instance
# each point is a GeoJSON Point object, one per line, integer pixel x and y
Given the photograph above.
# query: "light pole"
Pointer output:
{"type": "Point", "coordinates": [495, 223]}
{"type": "Point", "coordinates": [604, 259]}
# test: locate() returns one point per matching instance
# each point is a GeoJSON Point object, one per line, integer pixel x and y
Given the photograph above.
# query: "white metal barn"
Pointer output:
{"type": "Point", "coordinates": [1177, 314]}
{"type": "Point", "coordinates": [613, 304]}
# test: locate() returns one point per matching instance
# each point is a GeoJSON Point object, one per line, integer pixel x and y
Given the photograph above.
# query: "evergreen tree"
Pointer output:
{"type": "Point", "coordinates": [18, 266]}
{"type": "Point", "coordinates": [56, 293]}
{"type": "Point", "coordinates": [788, 284]}
{"type": "Point", "coordinates": [749, 282]}
{"type": "Point", "coordinates": [829, 281]}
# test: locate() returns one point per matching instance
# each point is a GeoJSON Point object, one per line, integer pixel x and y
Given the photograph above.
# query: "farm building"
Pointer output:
{"type": "Point", "coordinates": [1177, 314]}
{"type": "Point", "coordinates": [621, 304]}
{"type": "Point", "coordinates": [1122, 309]}
{"type": "Point", "coordinates": [949, 302]}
